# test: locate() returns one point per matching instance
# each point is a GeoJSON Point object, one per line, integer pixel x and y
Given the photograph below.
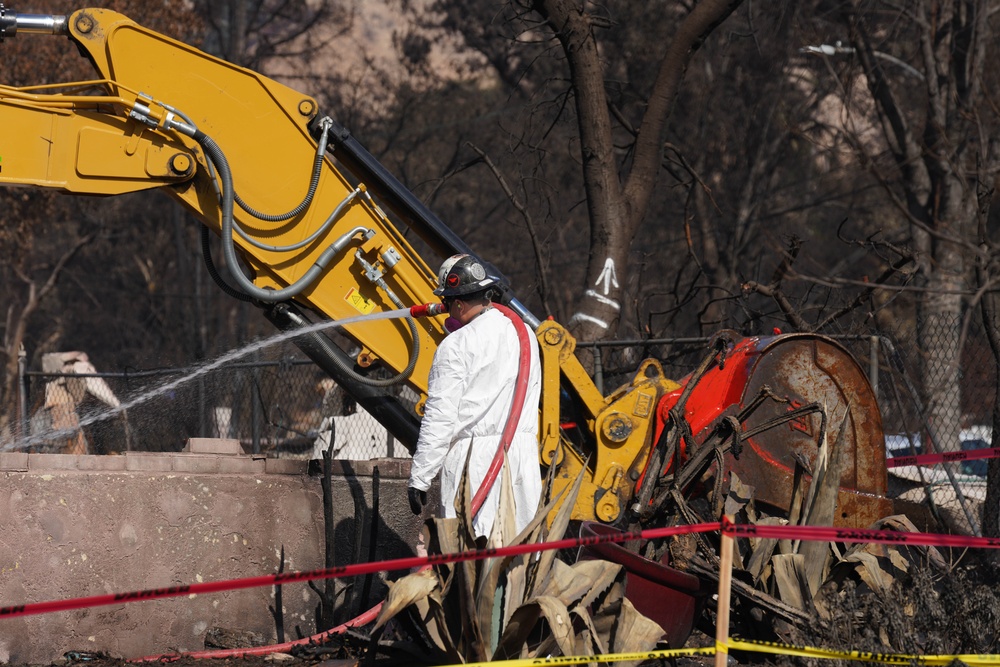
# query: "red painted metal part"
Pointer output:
{"type": "Point", "coordinates": [671, 598]}
{"type": "Point", "coordinates": [804, 368]}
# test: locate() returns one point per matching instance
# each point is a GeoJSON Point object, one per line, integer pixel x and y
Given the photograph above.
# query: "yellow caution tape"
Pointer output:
{"type": "Point", "coordinates": [758, 647]}
{"type": "Point", "coordinates": [583, 659]}
{"type": "Point", "coordinates": [862, 656]}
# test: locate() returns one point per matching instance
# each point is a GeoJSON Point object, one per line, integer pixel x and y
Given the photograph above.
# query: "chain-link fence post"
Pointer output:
{"type": "Point", "coordinates": [202, 416]}
{"type": "Point", "coordinates": [873, 364]}
{"type": "Point", "coordinates": [22, 390]}
{"type": "Point", "coordinates": [255, 400]}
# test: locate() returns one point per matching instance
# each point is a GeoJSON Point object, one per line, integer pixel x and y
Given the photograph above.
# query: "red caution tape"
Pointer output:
{"type": "Point", "coordinates": [816, 533]}
{"type": "Point", "coordinates": [946, 457]}
{"type": "Point", "coordinates": [832, 534]}
{"type": "Point", "coordinates": [344, 571]}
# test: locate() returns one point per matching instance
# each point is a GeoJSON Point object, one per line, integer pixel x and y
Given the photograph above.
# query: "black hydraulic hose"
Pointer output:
{"type": "Point", "coordinates": [206, 253]}
{"type": "Point", "coordinates": [218, 158]}
{"type": "Point", "coordinates": [322, 229]}
{"type": "Point", "coordinates": [327, 346]}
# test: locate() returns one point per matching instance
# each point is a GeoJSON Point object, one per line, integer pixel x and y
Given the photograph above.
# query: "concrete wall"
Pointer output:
{"type": "Point", "coordinates": [74, 526]}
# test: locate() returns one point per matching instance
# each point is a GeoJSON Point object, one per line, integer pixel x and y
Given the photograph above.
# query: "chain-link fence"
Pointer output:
{"type": "Point", "coordinates": [938, 397]}
{"type": "Point", "coordinates": [280, 404]}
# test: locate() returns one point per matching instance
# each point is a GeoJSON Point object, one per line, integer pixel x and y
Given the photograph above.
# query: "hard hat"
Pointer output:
{"type": "Point", "coordinates": [461, 275]}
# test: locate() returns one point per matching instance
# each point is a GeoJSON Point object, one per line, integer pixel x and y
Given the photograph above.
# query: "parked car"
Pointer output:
{"type": "Point", "coordinates": [903, 444]}
{"type": "Point", "coordinates": [976, 437]}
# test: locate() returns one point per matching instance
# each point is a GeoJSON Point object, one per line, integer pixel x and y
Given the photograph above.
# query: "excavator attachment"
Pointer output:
{"type": "Point", "coordinates": [757, 408]}
{"type": "Point", "coordinates": [786, 393]}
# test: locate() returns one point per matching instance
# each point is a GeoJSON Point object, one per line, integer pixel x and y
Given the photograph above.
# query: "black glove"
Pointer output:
{"type": "Point", "coordinates": [417, 499]}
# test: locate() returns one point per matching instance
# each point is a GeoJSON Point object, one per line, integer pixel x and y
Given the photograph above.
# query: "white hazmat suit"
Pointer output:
{"type": "Point", "coordinates": [470, 389]}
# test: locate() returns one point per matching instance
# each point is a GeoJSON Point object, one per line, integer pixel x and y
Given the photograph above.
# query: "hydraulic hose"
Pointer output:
{"type": "Point", "coordinates": [326, 345]}
{"type": "Point", "coordinates": [322, 229]}
{"type": "Point", "coordinates": [324, 125]}
{"type": "Point", "coordinates": [218, 158]}
{"type": "Point", "coordinates": [206, 253]}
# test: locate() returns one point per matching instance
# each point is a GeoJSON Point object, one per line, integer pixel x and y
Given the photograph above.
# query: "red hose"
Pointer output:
{"type": "Point", "coordinates": [510, 427]}
{"type": "Point", "coordinates": [366, 617]}
{"type": "Point", "coordinates": [516, 405]}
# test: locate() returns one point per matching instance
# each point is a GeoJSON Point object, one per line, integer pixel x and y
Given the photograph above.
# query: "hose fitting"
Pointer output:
{"type": "Point", "coordinates": [428, 310]}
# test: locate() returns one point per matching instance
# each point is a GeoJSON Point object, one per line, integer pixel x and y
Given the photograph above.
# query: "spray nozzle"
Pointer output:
{"type": "Point", "coordinates": [428, 310]}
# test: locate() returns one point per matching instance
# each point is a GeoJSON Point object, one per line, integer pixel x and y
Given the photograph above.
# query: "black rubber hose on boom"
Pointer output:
{"type": "Point", "coordinates": [218, 158]}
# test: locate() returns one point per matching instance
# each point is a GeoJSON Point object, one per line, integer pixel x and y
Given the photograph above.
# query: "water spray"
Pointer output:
{"type": "Point", "coordinates": [423, 310]}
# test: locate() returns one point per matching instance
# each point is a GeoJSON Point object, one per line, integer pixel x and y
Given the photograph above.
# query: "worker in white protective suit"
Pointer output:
{"type": "Point", "coordinates": [469, 395]}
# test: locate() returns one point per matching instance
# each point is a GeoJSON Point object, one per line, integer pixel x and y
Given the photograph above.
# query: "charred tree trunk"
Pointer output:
{"type": "Point", "coordinates": [618, 197]}
{"type": "Point", "coordinates": [934, 190]}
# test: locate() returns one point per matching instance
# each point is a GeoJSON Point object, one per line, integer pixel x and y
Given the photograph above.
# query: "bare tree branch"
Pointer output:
{"type": "Point", "coordinates": [16, 333]}
{"type": "Point", "coordinates": [543, 289]}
